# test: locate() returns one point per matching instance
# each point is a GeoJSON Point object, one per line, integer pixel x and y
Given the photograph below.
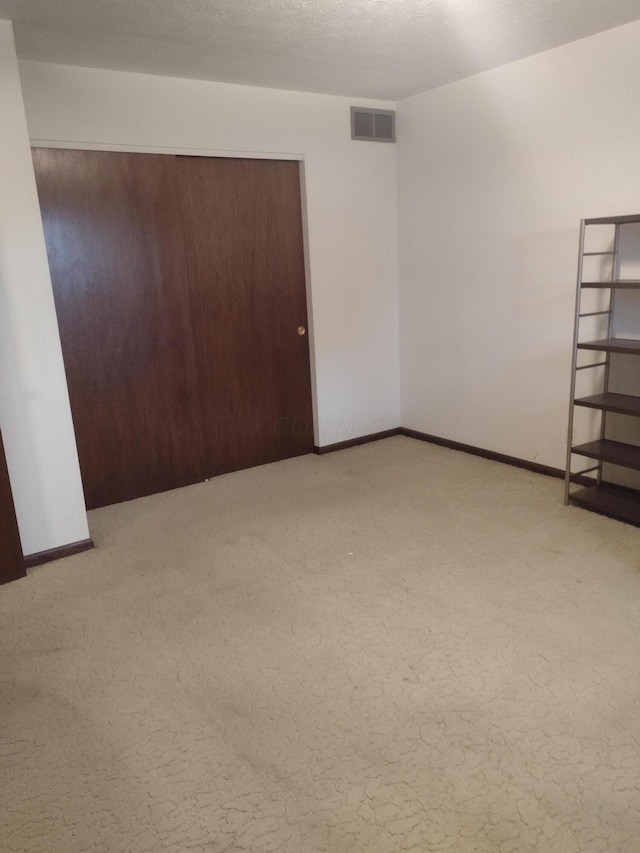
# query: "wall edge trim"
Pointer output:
{"type": "Point", "coordinates": [41, 557]}
{"type": "Point", "coordinates": [354, 442]}
{"type": "Point", "coordinates": [492, 455]}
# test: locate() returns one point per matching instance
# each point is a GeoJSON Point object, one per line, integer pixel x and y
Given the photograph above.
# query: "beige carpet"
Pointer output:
{"type": "Point", "coordinates": [392, 648]}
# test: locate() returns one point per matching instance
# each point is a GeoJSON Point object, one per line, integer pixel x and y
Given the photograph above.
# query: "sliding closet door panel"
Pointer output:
{"type": "Point", "coordinates": [12, 564]}
{"type": "Point", "coordinates": [113, 230]}
{"type": "Point", "coordinates": [243, 232]}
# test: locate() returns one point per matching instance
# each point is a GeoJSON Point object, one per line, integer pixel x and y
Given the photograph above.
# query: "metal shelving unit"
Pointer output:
{"type": "Point", "coordinates": [596, 493]}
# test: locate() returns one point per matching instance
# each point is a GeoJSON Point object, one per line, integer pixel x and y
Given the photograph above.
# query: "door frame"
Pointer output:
{"type": "Point", "coordinates": [239, 155]}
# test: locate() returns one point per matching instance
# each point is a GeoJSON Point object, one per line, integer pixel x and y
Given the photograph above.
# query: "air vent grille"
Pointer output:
{"type": "Point", "coordinates": [373, 125]}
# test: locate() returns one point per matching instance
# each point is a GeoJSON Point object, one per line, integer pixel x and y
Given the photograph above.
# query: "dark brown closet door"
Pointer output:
{"type": "Point", "coordinates": [114, 238]}
{"type": "Point", "coordinates": [12, 564]}
{"type": "Point", "coordinates": [243, 233]}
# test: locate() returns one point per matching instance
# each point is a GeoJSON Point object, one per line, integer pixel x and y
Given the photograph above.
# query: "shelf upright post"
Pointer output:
{"type": "Point", "coordinates": [574, 362]}
{"type": "Point", "coordinates": [615, 270]}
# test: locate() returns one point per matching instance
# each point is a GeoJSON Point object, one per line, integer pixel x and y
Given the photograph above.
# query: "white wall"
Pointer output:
{"type": "Point", "coordinates": [495, 173]}
{"type": "Point", "coordinates": [34, 406]}
{"type": "Point", "coordinates": [350, 198]}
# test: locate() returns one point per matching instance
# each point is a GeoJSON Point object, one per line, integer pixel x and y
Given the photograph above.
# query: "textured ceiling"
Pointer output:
{"type": "Point", "coordinates": [366, 48]}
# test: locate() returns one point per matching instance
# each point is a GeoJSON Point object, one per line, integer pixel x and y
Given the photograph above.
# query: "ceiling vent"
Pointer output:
{"type": "Point", "coordinates": [373, 125]}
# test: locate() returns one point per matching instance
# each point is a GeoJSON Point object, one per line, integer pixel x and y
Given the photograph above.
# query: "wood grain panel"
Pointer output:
{"type": "Point", "coordinates": [243, 232]}
{"type": "Point", "coordinates": [12, 565]}
{"type": "Point", "coordinates": [114, 238]}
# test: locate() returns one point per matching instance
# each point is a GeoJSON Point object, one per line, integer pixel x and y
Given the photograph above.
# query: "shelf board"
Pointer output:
{"type": "Point", "coordinates": [614, 501]}
{"type": "Point", "coordinates": [624, 345]}
{"type": "Point", "coordinates": [629, 284]}
{"type": "Point", "coordinates": [622, 404]}
{"type": "Point", "coordinates": [614, 220]}
{"type": "Point", "coordinates": [614, 452]}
